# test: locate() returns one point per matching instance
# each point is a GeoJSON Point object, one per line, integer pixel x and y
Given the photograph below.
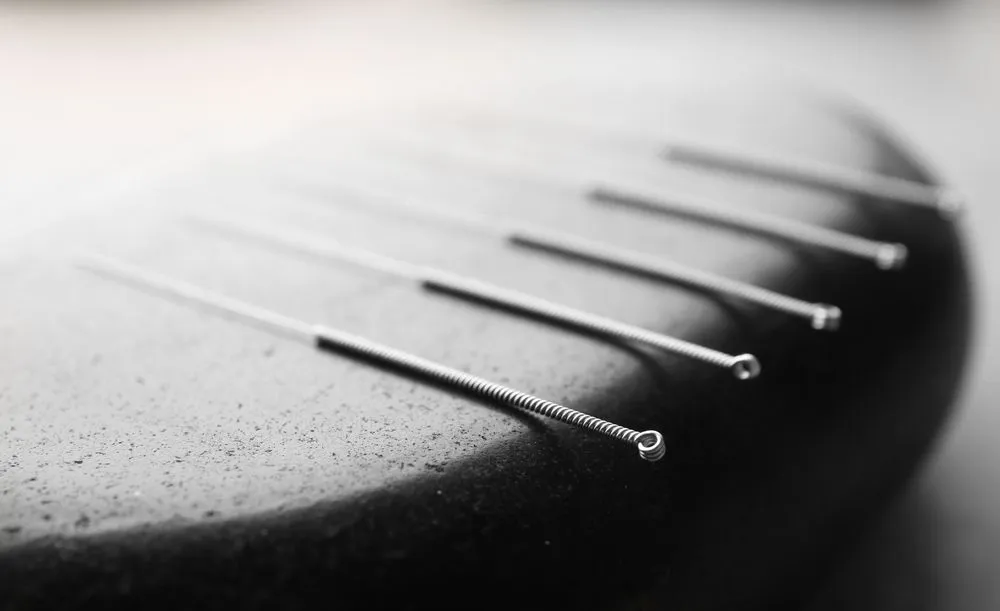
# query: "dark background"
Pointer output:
{"type": "Point", "coordinates": [94, 98]}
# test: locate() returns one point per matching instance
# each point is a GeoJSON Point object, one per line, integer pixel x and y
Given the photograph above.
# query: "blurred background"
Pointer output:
{"type": "Point", "coordinates": [96, 97]}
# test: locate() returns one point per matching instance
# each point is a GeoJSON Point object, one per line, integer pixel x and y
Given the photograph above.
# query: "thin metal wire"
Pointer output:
{"type": "Point", "coordinates": [821, 316]}
{"type": "Point", "coordinates": [812, 173]}
{"type": "Point", "coordinates": [743, 366]}
{"type": "Point", "coordinates": [169, 287]}
{"type": "Point", "coordinates": [650, 444]}
{"type": "Point", "coordinates": [885, 255]}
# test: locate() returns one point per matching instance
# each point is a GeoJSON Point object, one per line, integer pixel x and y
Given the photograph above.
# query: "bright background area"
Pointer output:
{"type": "Point", "coordinates": [97, 96]}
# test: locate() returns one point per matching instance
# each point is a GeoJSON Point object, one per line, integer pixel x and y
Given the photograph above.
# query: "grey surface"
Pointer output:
{"type": "Point", "coordinates": [207, 429]}
{"type": "Point", "coordinates": [144, 98]}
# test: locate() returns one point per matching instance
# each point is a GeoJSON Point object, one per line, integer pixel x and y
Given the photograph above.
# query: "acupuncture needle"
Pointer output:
{"type": "Point", "coordinates": [650, 444]}
{"type": "Point", "coordinates": [816, 174]}
{"type": "Point", "coordinates": [472, 290]}
{"type": "Point", "coordinates": [885, 255]}
{"type": "Point", "coordinates": [556, 243]}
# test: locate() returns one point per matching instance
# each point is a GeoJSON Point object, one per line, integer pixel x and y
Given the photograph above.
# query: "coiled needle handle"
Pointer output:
{"type": "Point", "coordinates": [650, 444]}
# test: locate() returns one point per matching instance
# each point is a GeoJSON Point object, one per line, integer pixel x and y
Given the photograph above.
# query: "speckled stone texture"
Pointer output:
{"type": "Point", "coordinates": [156, 455]}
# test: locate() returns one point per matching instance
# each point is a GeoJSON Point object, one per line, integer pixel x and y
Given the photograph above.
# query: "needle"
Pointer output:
{"type": "Point", "coordinates": [650, 444]}
{"type": "Point", "coordinates": [816, 174]}
{"type": "Point", "coordinates": [885, 255]}
{"type": "Point", "coordinates": [743, 367]}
